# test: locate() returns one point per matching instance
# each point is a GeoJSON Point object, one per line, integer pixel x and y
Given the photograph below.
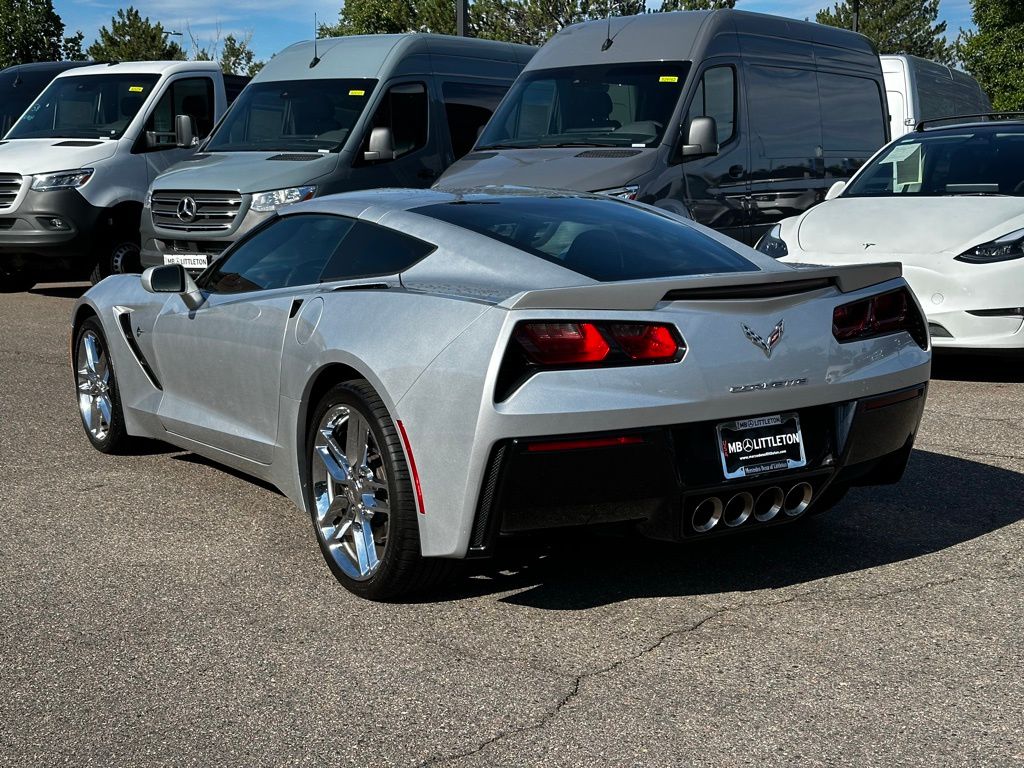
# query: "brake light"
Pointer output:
{"type": "Point", "coordinates": [879, 315]}
{"type": "Point", "coordinates": [562, 343]}
{"type": "Point", "coordinates": [642, 341]}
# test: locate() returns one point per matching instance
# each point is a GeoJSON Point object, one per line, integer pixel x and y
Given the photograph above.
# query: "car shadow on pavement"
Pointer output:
{"type": "Point", "coordinates": [941, 502]}
{"type": "Point", "coordinates": [951, 366]}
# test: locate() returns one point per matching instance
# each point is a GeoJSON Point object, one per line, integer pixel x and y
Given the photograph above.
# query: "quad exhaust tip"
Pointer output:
{"type": "Point", "coordinates": [741, 506]}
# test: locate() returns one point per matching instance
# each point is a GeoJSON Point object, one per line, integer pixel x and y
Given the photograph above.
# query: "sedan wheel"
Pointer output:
{"type": "Point", "coordinates": [361, 498]}
{"type": "Point", "coordinates": [99, 403]}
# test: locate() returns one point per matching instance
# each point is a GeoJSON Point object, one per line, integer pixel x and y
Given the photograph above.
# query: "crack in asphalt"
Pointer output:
{"type": "Point", "coordinates": [577, 681]}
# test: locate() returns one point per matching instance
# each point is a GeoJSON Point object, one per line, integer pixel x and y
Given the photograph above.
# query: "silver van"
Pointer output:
{"type": "Point", "coordinates": [328, 116]}
{"type": "Point", "coordinates": [736, 119]}
{"type": "Point", "coordinates": [918, 89]}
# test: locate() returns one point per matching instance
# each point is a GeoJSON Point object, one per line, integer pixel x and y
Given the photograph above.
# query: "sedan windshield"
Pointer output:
{"type": "Point", "coordinates": [604, 239]}
{"type": "Point", "coordinates": [980, 160]}
{"type": "Point", "coordinates": [293, 116]}
{"type": "Point", "coordinates": [85, 107]}
{"type": "Point", "coordinates": [613, 105]}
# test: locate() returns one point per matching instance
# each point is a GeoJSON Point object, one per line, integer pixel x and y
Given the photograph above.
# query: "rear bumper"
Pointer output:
{"type": "Point", "coordinates": [661, 478]}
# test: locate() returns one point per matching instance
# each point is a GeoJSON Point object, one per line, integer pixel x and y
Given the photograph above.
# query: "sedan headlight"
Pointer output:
{"type": "Point", "coordinates": [269, 201]}
{"type": "Point", "coordinates": [1007, 247]}
{"type": "Point", "coordinates": [626, 193]}
{"type": "Point", "coordinates": [772, 244]}
{"type": "Point", "coordinates": [62, 180]}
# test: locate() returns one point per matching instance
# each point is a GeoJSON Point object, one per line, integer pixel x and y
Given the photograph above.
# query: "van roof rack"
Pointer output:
{"type": "Point", "coordinates": [963, 118]}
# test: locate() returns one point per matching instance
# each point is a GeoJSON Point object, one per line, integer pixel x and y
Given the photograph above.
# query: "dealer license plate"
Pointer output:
{"type": "Point", "coordinates": [187, 260]}
{"type": "Point", "coordinates": [751, 447]}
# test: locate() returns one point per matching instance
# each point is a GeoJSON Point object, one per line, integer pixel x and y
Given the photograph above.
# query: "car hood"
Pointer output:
{"type": "Point", "coordinates": [577, 168]}
{"type": "Point", "coordinates": [906, 226]}
{"type": "Point", "coordinates": [247, 171]}
{"type": "Point", "coordinates": [32, 157]}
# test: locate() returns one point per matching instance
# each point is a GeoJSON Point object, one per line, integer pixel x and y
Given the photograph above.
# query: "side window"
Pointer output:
{"type": "Point", "coordinates": [715, 96]}
{"type": "Point", "coordinates": [292, 251]}
{"type": "Point", "coordinates": [404, 109]}
{"type": "Point", "coordinates": [852, 118]}
{"type": "Point", "coordinates": [468, 107]}
{"type": "Point", "coordinates": [785, 122]}
{"type": "Point", "coordinates": [192, 96]}
{"type": "Point", "coordinates": [371, 250]}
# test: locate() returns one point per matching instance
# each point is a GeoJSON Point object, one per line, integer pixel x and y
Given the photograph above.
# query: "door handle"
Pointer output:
{"type": "Point", "coordinates": [735, 171]}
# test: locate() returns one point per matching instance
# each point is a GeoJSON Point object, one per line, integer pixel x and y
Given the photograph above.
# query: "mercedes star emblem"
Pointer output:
{"type": "Point", "coordinates": [187, 209]}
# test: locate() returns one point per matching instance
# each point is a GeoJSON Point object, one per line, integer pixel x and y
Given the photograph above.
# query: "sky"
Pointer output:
{"type": "Point", "coordinates": [274, 26]}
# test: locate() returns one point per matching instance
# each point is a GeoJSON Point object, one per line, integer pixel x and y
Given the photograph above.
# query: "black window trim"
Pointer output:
{"type": "Point", "coordinates": [370, 224]}
{"type": "Point", "coordinates": [383, 89]}
{"type": "Point", "coordinates": [734, 136]}
{"type": "Point", "coordinates": [139, 146]}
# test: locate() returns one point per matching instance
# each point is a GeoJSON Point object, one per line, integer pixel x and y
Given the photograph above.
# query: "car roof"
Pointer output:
{"type": "Point", "coordinates": [144, 68]}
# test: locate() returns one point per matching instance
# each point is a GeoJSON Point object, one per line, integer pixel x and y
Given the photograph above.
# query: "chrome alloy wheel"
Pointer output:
{"type": "Point", "coordinates": [92, 377]}
{"type": "Point", "coordinates": [350, 489]}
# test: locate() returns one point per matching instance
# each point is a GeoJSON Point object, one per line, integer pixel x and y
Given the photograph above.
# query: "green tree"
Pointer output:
{"type": "Point", "coordinates": [994, 54]}
{"type": "Point", "coordinates": [237, 58]}
{"type": "Point", "coordinates": [33, 31]}
{"type": "Point", "coordinates": [696, 5]}
{"type": "Point", "coordinates": [132, 37]}
{"type": "Point", "coordinates": [896, 26]}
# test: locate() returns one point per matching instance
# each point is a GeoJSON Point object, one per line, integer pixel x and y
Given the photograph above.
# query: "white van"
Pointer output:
{"type": "Point", "coordinates": [918, 89]}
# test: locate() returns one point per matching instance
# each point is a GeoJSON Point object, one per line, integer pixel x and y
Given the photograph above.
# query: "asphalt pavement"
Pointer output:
{"type": "Point", "coordinates": [160, 610]}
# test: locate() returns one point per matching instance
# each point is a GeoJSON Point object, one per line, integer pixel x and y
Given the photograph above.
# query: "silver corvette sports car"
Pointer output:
{"type": "Point", "coordinates": [427, 372]}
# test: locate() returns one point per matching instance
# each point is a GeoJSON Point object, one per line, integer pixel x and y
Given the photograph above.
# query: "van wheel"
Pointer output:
{"type": "Point", "coordinates": [121, 257]}
{"type": "Point", "coordinates": [16, 281]}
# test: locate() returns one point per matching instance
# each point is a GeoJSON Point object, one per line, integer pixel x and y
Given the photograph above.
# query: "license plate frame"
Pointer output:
{"type": "Point", "coordinates": [760, 445]}
{"type": "Point", "coordinates": [188, 260]}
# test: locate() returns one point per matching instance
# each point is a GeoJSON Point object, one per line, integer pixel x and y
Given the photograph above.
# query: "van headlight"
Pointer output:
{"type": "Point", "coordinates": [1005, 248]}
{"type": "Point", "coordinates": [147, 201]}
{"type": "Point", "coordinates": [62, 180]}
{"type": "Point", "coordinates": [772, 244]}
{"type": "Point", "coordinates": [269, 201]}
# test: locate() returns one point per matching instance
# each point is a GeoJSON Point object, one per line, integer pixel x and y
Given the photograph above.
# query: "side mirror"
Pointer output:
{"type": "Point", "coordinates": [835, 190]}
{"type": "Point", "coordinates": [185, 131]}
{"type": "Point", "coordinates": [382, 145]}
{"type": "Point", "coordinates": [173, 278]}
{"type": "Point", "coordinates": [702, 139]}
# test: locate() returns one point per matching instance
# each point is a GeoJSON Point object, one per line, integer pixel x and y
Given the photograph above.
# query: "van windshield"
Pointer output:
{"type": "Point", "coordinates": [605, 105]}
{"type": "Point", "coordinates": [85, 107]}
{"type": "Point", "coordinates": [980, 160]}
{"type": "Point", "coordinates": [293, 116]}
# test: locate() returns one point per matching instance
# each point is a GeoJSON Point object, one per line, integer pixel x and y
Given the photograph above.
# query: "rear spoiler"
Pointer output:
{"type": "Point", "coordinates": [647, 294]}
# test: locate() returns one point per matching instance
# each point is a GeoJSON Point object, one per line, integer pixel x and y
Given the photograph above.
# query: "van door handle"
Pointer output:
{"type": "Point", "coordinates": [735, 171]}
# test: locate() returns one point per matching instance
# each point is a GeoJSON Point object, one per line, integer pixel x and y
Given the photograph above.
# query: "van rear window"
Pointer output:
{"type": "Point", "coordinates": [603, 239]}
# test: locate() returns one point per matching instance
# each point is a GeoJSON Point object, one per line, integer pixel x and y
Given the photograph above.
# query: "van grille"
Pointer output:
{"type": "Point", "coordinates": [214, 211]}
{"type": "Point", "coordinates": [10, 186]}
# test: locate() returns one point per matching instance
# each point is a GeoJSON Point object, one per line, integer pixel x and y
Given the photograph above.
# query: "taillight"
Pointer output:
{"type": "Point", "coordinates": [879, 315]}
{"type": "Point", "coordinates": [643, 341]}
{"type": "Point", "coordinates": [562, 343]}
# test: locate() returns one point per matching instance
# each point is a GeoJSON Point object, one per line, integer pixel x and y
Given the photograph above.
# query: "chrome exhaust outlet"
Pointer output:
{"type": "Point", "coordinates": [707, 514]}
{"type": "Point", "coordinates": [798, 499]}
{"type": "Point", "coordinates": [738, 509]}
{"type": "Point", "coordinates": [768, 504]}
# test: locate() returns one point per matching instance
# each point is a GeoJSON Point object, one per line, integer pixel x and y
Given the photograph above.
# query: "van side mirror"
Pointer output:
{"type": "Point", "coordinates": [173, 278]}
{"type": "Point", "coordinates": [835, 190]}
{"type": "Point", "coordinates": [702, 139]}
{"type": "Point", "coordinates": [381, 146]}
{"type": "Point", "coordinates": [185, 131]}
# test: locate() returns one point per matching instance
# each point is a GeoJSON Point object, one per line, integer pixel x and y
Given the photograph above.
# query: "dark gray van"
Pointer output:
{"type": "Point", "coordinates": [20, 84]}
{"type": "Point", "coordinates": [736, 119]}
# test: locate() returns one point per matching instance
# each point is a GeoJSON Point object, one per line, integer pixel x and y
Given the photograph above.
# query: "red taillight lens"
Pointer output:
{"type": "Point", "coordinates": [885, 313]}
{"type": "Point", "coordinates": [643, 341]}
{"type": "Point", "coordinates": [562, 343]}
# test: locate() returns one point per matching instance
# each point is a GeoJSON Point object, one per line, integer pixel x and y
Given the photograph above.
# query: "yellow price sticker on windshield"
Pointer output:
{"type": "Point", "coordinates": [668, 79]}
{"type": "Point", "coordinates": [136, 89]}
{"type": "Point", "coordinates": [357, 93]}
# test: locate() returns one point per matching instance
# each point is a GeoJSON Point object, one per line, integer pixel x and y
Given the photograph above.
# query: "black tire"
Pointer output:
{"type": "Point", "coordinates": [118, 256]}
{"type": "Point", "coordinates": [16, 281]}
{"type": "Point", "coordinates": [402, 570]}
{"type": "Point", "coordinates": [114, 439]}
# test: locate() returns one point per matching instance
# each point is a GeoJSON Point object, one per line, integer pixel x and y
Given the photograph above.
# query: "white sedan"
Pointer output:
{"type": "Point", "coordinates": [948, 204]}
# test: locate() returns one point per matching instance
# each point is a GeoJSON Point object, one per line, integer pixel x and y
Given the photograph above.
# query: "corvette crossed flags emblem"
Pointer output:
{"type": "Point", "coordinates": [769, 344]}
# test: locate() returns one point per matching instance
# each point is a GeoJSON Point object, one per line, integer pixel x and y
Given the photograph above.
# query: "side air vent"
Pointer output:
{"type": "Point", "coordinates": [124, 318]}
{"type": "Point", "coordinates": [296, 157]}
{"type": "Point", "coordinates": [762, 291]}
{"type": "Point", "coordinates": [609, 153]}
{"type": "Point", "coordinates": [938, 332]}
